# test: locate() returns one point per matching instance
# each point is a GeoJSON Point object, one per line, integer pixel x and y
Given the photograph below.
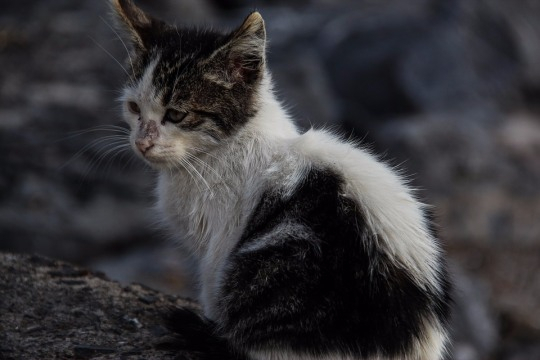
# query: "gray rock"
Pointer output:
{"type": "Point", "coordinates": [50, 308]}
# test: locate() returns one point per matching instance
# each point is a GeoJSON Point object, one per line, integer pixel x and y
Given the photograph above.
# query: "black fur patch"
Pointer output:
{"type": "Point", "coordinates": [195, 335]}
{"type": "Point", "coordinates": [325, 289]}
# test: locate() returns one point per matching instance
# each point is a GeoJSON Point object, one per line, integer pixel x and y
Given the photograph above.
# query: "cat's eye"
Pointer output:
{"type": "Point", "coordinates": [133, 107]}
{"type": "Point", "coordinates": [174, 116]}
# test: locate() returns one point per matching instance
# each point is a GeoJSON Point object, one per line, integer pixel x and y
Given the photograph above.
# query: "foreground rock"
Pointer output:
{"type": "Point", "coordinates": [50, 309]}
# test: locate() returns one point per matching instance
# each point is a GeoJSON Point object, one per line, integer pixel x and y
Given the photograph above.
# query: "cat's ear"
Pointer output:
{"type": "Point", "coordinates": [244, 53]}
{"type": "Point", "coordinates": [139, 26]}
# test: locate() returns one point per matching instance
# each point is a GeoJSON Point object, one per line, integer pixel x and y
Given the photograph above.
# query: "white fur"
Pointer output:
{"type": "Point", "coordinates": [144, 94]}
{"type": "Point", "coordinates": [209, 215]}
{"type": "Point", "coordinates": [391, 211]}
{"type": "Point", "coordinates": [430, 346]}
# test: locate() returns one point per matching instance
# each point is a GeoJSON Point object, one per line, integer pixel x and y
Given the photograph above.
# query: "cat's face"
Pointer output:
{"type": "Point", "coordinates": [189, 90]}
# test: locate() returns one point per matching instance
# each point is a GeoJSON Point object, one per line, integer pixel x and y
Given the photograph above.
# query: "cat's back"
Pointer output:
{"type": "Point", "coordinates": [383, 198]}
{"type": "Point", "coordinates": [321, 268]}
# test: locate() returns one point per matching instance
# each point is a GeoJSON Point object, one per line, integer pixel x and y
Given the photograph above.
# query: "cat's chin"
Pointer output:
{"type": "Point", "coordinates": [155, 162]}
{"type": "Point", "coordinates": [160, 164]}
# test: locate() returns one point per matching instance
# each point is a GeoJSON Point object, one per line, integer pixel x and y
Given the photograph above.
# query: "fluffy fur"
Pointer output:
{"type": "Point", "coordinates": [306, 246]}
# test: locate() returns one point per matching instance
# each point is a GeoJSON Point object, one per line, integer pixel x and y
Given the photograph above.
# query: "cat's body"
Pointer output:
{"type": "Point", "coordinates": [306, 246]}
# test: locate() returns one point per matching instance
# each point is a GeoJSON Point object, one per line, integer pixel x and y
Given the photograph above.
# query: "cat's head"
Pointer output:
{"type": "Point", "coordinates": [189, 90]}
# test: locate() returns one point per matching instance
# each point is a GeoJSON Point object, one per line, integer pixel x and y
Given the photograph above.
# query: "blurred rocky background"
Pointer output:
{"type": "Point", "coordinates": [448, 90]}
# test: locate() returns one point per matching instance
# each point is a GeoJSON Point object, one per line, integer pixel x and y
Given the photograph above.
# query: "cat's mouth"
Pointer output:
{"type": "Point", "coordinates": [153, 154]}
{"type": "Point", "coordinates": [144, 146]}
{"type": "Point", "coordinates": [147, 151]}
{"type": "Point", "coordinates": [155, 161]}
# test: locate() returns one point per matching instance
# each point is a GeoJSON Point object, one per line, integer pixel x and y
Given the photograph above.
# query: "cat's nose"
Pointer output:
{"type": "Point", "coordinates": [144, 145]}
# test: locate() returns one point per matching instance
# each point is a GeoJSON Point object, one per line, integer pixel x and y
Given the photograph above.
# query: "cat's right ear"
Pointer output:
{"type": "Point", "coordinates": [139, 26]}
{"type": "Point", "coordinates": [242, 58]}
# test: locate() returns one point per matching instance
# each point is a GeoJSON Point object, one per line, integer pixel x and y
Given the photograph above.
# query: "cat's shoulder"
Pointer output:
{"type": "Point", "coordinates": [356, 164]}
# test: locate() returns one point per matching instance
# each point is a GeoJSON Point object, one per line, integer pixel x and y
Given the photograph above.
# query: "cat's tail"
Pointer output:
{"type": "Point", "coordinates": [196, 336]}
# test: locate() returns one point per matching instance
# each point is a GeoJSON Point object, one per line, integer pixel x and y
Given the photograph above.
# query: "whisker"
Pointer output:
{"type": "Point", "coordinates": [182, 163]}
{"type": "Point", "coordinates": [199, 175]}
{"type": "Point", "coordinates": [78, 154]}
{"type": "Point", "coordinates": [114, 91]}
{"type": "Point", "coordinates": [203, 164]}
{"type": "Point", "coordinates": [131, 158]}
{"type": "Point", "coordinates": [112, 57]}
{"type": "Point", "coordinates": [107, 128]}
{"type": "Point", "coordinates": [122, 41]}
{"type": "Point", "coordinates": [106, 139]}
{"type": "Point", "coordinates": [118, 146]}
{"type": "Point", "coordinates": [206, 153]}
{"type": "Point", "coordinates": [115, 148]}
{"type": "Point", "coordinates": [117, 138]}
{"type": "Point", "coordinates": [116, 152]}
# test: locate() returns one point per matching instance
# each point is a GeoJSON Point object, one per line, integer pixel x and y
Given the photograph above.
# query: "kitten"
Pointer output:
{"type": "Point", "coordinates": [306, 246]}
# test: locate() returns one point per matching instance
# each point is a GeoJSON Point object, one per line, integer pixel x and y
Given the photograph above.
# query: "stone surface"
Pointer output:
{"type": "Point", "coordinates": [51, 309]}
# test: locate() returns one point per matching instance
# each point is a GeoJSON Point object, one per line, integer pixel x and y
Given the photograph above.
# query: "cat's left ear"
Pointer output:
{"type": "Point", "coordinates": [140, 27]}
{"type": "Point", "coordinates": [244, 53]}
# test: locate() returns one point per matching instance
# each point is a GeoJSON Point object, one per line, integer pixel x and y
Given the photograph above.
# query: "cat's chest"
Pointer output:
{"type": "Point", "coordinates": [199, 215]}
